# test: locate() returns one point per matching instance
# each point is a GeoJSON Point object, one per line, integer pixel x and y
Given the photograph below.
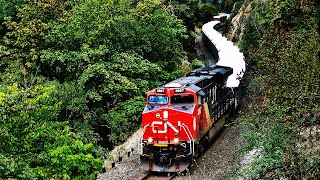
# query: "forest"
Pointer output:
{"type": "Point", "coordinates": [73, 75]}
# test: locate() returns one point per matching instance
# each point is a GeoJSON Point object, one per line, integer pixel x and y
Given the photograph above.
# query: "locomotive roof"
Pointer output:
{"type": "Point", "coordinates": [184, 81]}
{"type": "Point", "coordinates": [208, 72]}
{"type": "Point", "coordinates": [211, 70]}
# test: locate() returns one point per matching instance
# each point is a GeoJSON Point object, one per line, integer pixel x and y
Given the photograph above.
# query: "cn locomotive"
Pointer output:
{"type": "Point", "coordinates": [182, 116]}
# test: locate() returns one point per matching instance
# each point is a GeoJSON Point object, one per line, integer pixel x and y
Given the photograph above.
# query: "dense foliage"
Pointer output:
{"type": "Point", "coordinates": [8, 9]}
{"type": "Point", "coordinates": [281, 39]}
{"type": "Point", "coordinates": [35, 142]}
{"type": "Point", "coordinates": [68, 67]}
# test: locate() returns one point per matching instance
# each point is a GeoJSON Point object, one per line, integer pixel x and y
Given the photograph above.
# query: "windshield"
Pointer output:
{"type": "Point", "coordinates": [182, 99]}
{"type": "Point", "coordinates": [153, 99]}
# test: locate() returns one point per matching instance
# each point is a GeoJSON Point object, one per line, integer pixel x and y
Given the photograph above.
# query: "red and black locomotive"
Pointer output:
{"type": "Point", "coordinates": [181, 117]}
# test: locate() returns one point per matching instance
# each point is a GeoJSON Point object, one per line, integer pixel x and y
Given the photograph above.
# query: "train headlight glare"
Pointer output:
{"type": "Point", "coordinates": [150, 140]}
{"type": "Point", "coordinates": [176, 140]}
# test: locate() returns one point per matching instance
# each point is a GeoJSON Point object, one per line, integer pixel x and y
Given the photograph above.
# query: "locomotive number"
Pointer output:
{"type": "Point", "coordinates": [155, 129]}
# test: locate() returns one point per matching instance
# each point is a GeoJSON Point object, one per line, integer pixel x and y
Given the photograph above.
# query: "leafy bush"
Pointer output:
{"type": "Point", "coordinates": [205, 12]}
{"type": "Point", "coordinates": [197, 64]}
{"type": "Point", "coordinates": [32, 131]}
{"type": "Point", "coordinates": [7, 9]}
{"type": "Point", "coordinates": [72, 161]}
{"type": "Point", "coordinates": [124, 119]}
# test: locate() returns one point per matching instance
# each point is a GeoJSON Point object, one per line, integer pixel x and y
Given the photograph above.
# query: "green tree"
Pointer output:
{"type": "Point", "coordinates": [8, 9]}
{"type": "Point", "coordinates": [205, 12]}
{"type": "Point", "coordinates": [31, 134]}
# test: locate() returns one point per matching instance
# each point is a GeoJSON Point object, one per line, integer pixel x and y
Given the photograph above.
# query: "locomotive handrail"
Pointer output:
{"type": "Point", "coordinates": [143, 131]}
{"type": "Point", "coordinates": [189, 135]}
{"type": "Point", "coordinates": [220, 106]}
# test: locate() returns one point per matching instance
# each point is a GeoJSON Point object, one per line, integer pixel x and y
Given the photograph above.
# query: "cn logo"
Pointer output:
{"type": "Point", "coordinates": [165, 127]}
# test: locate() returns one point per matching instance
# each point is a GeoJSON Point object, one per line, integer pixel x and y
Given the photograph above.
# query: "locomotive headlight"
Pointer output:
{"type": "Point", "coordinates": [165, 114]}
{"type": "Point", "coordinates": [150, 139]}
{"type": "Point", "coordinates": [176, 140]}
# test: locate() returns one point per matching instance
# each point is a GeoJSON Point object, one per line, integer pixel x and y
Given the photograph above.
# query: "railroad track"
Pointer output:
{"type": "Point", "coordinates": [158, 176]}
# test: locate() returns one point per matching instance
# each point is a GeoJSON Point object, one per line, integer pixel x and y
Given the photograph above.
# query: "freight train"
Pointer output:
{"type": "Point", "coordinates": [181, 117]}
